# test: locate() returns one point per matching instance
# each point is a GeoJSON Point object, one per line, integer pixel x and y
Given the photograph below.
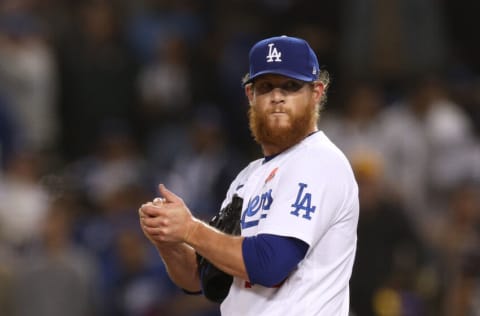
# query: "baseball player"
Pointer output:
{"type": "Point", "coordinates": [299, 203]}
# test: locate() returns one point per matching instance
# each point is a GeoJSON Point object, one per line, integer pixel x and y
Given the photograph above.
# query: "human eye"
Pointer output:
{"type": "Point", "coordinates": [292, 85]}
{"type": "Point", "coordinates": [263, 87]}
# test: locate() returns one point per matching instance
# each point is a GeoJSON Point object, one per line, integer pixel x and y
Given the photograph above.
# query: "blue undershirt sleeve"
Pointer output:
{"type": "Point", "coordinates": [269, 259]}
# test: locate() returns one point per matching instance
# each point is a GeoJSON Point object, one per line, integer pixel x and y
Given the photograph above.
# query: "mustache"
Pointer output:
{"type": "Point", "coordinates": [264, 133]}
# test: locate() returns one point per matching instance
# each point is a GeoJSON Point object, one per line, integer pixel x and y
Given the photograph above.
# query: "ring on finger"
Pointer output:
{"type": "Point", "coordinates": [158, 201]}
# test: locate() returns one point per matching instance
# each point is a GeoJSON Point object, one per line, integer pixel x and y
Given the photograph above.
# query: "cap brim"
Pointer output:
{"type": "Point", "coordinates": [281, 72]}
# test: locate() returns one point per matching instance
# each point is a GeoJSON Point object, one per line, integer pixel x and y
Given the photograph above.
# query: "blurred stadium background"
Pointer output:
{"type": "Point", "coordinates": [100, 100]}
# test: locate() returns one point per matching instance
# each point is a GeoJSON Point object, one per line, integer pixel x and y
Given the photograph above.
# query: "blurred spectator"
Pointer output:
{"type": "Point", "coordinates": [28, 78]}
{"type": "Point", "coordinates": [56, 278]}
{"type": "Point", "coordinates": [24, 202]}
{"type": "Point", "coordinates": [137, 283]}
{"type": "Point", "coordinates": [116, 165]}
{"type": "Point", "coordinates": [428, 145]}
{"type": "Point", "coordinates": [389, 252]}
{"type": "Point", "coordinates": [164, 86]}
{"type": "Point", "coordinates": [392, 39]}
{"type": "Point", "coordinates": [355, 127]}
{"type": "Point", "coordinates": [155, 22]}
{"type": "Point", "coordinates": [455, 238]}
{"type": "Point", "coordinates": [97, 76]}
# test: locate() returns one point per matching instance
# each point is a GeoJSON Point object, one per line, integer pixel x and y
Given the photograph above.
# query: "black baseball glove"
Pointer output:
{"type": "Point", "coordinates": [216, 283]}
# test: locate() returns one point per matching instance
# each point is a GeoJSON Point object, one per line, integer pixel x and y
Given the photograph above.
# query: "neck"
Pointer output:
{"type": "Point", "coordinates": [270, 150]}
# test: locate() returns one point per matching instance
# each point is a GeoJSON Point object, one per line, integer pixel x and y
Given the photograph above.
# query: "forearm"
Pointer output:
{"type": "Point", "coordinates": [181, 264]}
{"type": "Point", "coordinates": [222, 250]}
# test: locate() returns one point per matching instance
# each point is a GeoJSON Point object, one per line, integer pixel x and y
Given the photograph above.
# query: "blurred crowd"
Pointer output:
{"type": "Point", "coordinates": [101, 100]}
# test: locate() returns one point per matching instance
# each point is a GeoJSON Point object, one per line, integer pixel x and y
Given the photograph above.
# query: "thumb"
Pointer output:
{"type": "Point", "coordinates": [168, 195]}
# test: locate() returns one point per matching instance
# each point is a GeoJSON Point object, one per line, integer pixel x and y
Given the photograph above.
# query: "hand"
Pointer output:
{"type": "Point", "coordinates": [168, 220]}
{"type": "Point", "coordinates": [156, 202]}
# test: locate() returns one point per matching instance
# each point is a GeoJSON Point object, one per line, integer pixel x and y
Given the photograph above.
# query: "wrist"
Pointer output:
{"type": "Point", "coordinates": [169, 249]}
{"type": "Point", "coordinates": [190, 233]}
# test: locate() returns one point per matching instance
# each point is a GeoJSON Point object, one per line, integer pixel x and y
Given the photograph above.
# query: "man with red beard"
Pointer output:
{"type": "Point", "coordinates": [299, 213]}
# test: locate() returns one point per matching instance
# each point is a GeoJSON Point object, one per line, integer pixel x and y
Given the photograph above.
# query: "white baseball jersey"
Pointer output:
{"type": "Point", "coordinates": [308, 192]}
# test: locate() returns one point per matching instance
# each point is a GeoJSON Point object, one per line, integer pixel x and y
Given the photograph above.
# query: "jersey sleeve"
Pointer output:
{"type": "Point", "coordinates": [310, 195]}
{"type": "Point", "coordinates": [269, 259]}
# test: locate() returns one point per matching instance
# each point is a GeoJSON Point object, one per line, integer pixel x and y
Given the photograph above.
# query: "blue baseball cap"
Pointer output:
{"type": "Point", "coordinates": [283, 55]}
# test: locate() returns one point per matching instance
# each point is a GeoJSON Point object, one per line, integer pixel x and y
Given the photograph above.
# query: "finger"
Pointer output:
{"type": "Point", "coordinates": [154, 232]}
{"type": "Point", "coordinates": [158, 201]}
{"type": "Point", "coordinates": [149, 210]}
{"type": "Point", "coordinates": [140, 214]}
{"type": "Point", "coordinates": [168, 195]}
{"type": "Point", "coordinates": [148, 232]}
{"type": "Point", "coordinates": [154, 222]}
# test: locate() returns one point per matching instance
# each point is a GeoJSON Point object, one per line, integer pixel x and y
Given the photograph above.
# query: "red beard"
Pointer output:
{"type": "Point", "coordinates": [282, 137]}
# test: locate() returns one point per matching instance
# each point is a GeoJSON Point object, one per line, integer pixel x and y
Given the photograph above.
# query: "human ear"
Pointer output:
{"type": "Point", "coordinates": [249, 93]}
{"type": "Point", "coordinates": [318, 89]}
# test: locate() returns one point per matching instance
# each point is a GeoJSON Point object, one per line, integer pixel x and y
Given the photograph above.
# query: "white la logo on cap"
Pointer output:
{"type": "Point", "coordinates": [273, 53]}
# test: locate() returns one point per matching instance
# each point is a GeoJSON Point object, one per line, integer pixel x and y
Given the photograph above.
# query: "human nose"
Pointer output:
{"type": "Point", "coordinates": [277, 95]}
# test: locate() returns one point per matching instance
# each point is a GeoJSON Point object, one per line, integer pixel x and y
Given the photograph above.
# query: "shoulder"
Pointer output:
{"type": "Point", "coordinates": [248, 170]}
{"type": "Point", "coordinates": [319, 153]}
{"type": "Point", "coordinates": [317, 163]}
{"type": "Point", "coordinates": [242, 178]}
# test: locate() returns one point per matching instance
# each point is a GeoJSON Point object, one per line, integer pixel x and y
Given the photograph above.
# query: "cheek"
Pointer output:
{"type": "Point", "coordinates": [298, 106]}
{"type": "Point", "coordinates": [259, 104]}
